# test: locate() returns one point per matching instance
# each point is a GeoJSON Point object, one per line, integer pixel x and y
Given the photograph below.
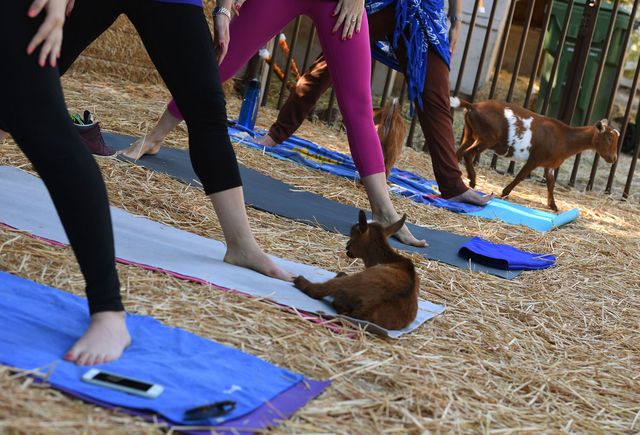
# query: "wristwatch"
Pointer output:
{"type": "Point", "coordinates": [221, 10]}
{"type": "Point", "coordinates": [454, 19]}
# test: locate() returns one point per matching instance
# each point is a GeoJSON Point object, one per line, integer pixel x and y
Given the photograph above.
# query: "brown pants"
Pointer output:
{"type": "Point", "coordinates": [436, 120]}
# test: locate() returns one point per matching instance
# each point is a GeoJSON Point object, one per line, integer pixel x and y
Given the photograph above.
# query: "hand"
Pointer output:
{"type": "Point", "coordinates": [454, 31]}
{"type": "Point", "coordinates": [350, 13]}
{"type": "Point", "coordinates": [237, 4]}
{"type": "Point", "coordinates": [49, 34]}
{"type": "Point", "coordinates": [70, 5]}
{"type": "Point", "coordinates": [221, 38]}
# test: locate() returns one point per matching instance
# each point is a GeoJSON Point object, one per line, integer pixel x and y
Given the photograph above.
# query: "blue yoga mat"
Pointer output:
{"type": "Point", "coordinates": [504, 256]}
{"type": "Point", "coordinates": [40, 323]}
{"type": "Point", "coordinates": [405, 183]}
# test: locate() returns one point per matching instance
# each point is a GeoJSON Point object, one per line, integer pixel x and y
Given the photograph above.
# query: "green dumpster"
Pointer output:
{"type": "Point", "coordinates": [614, 56]}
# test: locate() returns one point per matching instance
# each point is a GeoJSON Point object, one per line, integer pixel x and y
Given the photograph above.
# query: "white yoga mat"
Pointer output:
{"type": "Point", "coordinates": [25, 205]}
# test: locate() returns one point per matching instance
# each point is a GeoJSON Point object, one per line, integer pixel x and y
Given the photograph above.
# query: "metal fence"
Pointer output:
{"type": "Point", "coordinates": [570, 86]}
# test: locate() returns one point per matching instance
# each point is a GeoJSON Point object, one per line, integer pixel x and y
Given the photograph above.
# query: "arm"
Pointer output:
{"type": "Point", "coordinates": [455, 18]}
{"type": "Point", "coordinates": [221, 20]}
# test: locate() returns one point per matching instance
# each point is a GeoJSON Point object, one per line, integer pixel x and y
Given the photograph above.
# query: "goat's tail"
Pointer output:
{"type": "Point", "coordinates": [457, 103]}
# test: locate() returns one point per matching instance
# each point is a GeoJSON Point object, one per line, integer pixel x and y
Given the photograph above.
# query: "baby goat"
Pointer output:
{"type": "Point", "coordinates": [385, 293]}
{"type": "Point", "coordinates": [519, 134]}
{"type": "Point", "coordinates": [392, 131]}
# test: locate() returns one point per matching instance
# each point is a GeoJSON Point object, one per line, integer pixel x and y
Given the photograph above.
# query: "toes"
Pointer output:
{"type": "Point", "coordinates": [82, 359]}
{"type": "Point", "coordinates": [71, 356]}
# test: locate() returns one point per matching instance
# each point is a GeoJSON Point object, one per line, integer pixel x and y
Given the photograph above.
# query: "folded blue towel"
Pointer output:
{"type": "Point", "coordinates": [504, 256]}
{"type": "Point", "coordinates": [40, 323]}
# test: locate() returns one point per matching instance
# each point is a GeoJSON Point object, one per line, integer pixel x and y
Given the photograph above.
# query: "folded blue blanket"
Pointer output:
{"type": "Point", "coordinates": [504, 256]}
{"type": "Point", "coordinates": [404, 183]}
{"type": "Point", "coordinates": [40, 323]}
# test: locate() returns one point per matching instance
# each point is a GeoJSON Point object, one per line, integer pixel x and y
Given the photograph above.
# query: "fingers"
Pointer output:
{"type": "Point", "coordinates": [341, 20]}
{"type": "Point", "coordinates": [45, 30]}
{"type": "Point", "coordinates": [337, 10]}
{"type": "Point", "coordinates": [36, 7]}
{"type": "Point", "coordinates": [69, 8]}
{"type": "Point", "coordinates": [359, 23]}
{"type": "Point", "coordinates": [222, 52]}
{"type": "Point", "coordinates": [51, 49]}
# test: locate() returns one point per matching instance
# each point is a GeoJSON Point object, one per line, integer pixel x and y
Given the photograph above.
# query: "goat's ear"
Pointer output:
{"type": "Point", "coordinates": [362, 221]}
{"type": "Point", "coordinates": [394, 228]}
{"type": "Point", "coordinates": [602, 125]}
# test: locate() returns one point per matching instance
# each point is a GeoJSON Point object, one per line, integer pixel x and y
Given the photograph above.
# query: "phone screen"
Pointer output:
{"type": "Point", "coordinates": [123, 382]}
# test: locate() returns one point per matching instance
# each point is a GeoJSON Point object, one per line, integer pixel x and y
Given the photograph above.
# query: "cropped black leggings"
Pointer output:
{"type": "Point", "coordinates": [179, 43]}
{"type": "Point", "coordinates": [32, 109]}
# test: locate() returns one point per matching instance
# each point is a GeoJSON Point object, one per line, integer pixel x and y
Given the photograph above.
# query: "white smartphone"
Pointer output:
{"type": "Point", "coordinates": [122, 383]}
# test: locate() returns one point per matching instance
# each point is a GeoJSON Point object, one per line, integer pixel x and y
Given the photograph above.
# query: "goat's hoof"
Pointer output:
{"type": "Point", "coordinates": [300, 282]}
{"type": "Point", "coordinates": [340, 274]}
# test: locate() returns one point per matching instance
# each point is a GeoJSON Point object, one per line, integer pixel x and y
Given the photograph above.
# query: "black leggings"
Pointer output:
{"type": "Point", "coordinates": [33, 110]}
{"type": "Point", "coordinates": [179, 43]}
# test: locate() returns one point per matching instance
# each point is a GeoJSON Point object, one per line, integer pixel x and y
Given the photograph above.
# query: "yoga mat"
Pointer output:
{"type": "Point", "coordinates": [41, 323]}
{"type": "Point", "coordinates": [405, 183]}
{"type": "Point", "coordinates": [25, 204]}
{"type": "Point", "coordinates": [273, 196]}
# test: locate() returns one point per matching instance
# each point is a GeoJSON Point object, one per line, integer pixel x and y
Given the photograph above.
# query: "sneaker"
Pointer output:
{"type": "Point", "coordinates": [90, 133]}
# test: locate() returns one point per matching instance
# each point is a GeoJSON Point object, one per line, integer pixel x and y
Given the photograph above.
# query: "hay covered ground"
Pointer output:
{"type": "Point", "coordinates": [552, 351]}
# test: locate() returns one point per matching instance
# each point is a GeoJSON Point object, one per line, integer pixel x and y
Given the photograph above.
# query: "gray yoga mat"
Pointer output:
{"type": "Point", "coordinates": [25, 205]}
{"type": "Point", "coordinates": [273, 196]}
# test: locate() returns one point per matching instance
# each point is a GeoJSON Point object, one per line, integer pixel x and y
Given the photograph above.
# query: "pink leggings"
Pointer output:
{"type": "Point", "coordinates": [349, 65]}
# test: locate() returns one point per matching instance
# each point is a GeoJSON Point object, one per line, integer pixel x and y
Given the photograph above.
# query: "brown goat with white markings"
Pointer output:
{"type": "Point", "coordinates": [392, 131]}
{"type": "Point", "coordinates": [385, 293]}
{"type": "Point", "coordinates": [520, 134]}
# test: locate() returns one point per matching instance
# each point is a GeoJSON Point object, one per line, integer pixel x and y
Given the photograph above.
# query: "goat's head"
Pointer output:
{"type": "Point", "coordinates": [367, 238]}
{"type": "Point", "coordinates": [606, 141]}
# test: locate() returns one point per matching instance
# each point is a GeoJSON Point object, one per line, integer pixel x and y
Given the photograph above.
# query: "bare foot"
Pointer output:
{"type": "Point", "coordinates": [143, 146]}
{"type": "Point", "coordinates": [254, 258]}
{"type": "Point", "coordinates": [403, 235]}
{"type": "Point", "coordinates": [104, 341]}
{"type": "Point", "coordinates": [470, 196]}
{"type": "Point", "coordinates": [265, 140]}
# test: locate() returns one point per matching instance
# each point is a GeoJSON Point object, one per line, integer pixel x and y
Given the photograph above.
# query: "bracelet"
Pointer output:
{"type": "Point", "coordinates": [221, 10]}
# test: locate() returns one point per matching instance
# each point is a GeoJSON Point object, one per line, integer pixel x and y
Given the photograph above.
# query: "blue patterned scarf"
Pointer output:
{"type": "Point", "coordinates": [422, 25]}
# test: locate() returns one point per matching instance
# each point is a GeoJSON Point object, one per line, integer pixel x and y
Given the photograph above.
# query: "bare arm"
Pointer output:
{"type": "Point", "coordinates": [455, 15]}
{"type": "Point", "coordinates": [221, 29]}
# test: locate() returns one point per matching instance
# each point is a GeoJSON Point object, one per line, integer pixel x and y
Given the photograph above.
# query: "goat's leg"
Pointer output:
{"type": "Point", "coordinates": [467, 147]}
{"type": "Point", "coordinates": [314, 290]}
{"type": "Point", "coordinates": [471, 171]}
{"type": "Point", "coordinates": [551, 184]}
{"type": "Point", "coordinates": [524, 172]}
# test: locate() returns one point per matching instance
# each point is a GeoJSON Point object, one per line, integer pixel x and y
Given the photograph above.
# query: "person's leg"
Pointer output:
{"type": "Point", "coordinates": [176, 35]}
{"type": "Point", "coordinates": [33, 110]}
{"type": "Point", "coordinates": [350, 67]}
{"type": "Point", "coordinates": [88, 20]}
{"type": "Point", "coordinates": [436, 122]}
{"type": "Point", "coordinates": [315, 82]}
{"type": "Point", "coordinates": [300, 103]}
{"type": "Point", "coordinates": [265, 18]}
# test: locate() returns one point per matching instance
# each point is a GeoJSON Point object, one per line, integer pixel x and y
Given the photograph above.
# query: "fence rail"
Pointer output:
{"type": "Point", "coordinates": [570, 84]}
